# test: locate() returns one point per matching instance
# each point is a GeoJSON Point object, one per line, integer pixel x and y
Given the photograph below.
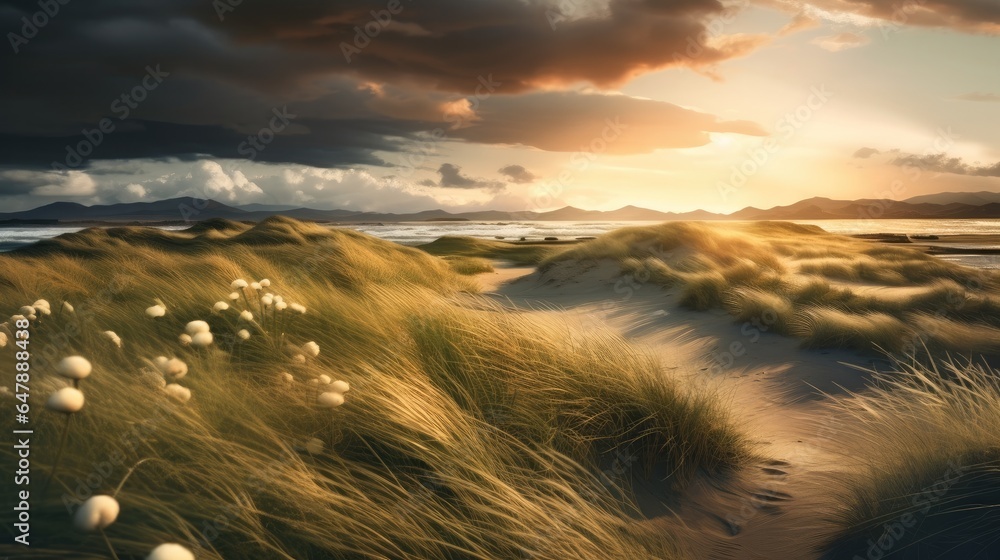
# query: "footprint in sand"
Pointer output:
{"type": "Point", "coordinates": [776, 468]}
{"type": "Point", "coordinates": [765, 499]}
{"type": "Point", "coordinates": [771, 496]}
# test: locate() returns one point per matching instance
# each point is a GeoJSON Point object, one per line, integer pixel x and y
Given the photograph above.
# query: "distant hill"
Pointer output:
{"type": "Point", "coordinates": [186, 209]}
{"type": "Point", "coordinates": [821, 208]}
{"type": "Point", "coordinates": [971, 198]}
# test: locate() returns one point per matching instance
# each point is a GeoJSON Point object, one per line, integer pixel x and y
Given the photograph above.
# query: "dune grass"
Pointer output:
{"type": "Point", "coordinates": [928, 484]}
{"type": "Point", "coordinates": [526, 252]}
{"type": "Point", "coordinates": [469, 266]}
{"type": "Point", "coordinates": [468, 432]}
{"type": "Point", "coordinates": [831, 291]}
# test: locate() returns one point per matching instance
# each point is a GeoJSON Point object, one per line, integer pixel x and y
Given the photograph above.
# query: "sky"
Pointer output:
{"type": "Point", "coordinates": [410, 105]}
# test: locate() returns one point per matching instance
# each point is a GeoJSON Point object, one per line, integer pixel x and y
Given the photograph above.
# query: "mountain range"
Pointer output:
{"type": "Point", "coordinates": [186, 209]}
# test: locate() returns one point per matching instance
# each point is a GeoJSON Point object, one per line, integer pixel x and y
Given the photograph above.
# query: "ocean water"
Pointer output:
{"type": "Point", "coordinates": [14, 237]}
{"type": "Point", "coordinates": [415, 233]}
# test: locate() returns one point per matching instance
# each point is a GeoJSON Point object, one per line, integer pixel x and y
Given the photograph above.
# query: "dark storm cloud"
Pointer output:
{"type": "Point", "coordinates": [326, 145]}
{"type": "Point", "coordinates": [453, 178]}
{"type": "Point", "coordinates": [616, 124]}
{"type": "Point", "coordinates": [447, 44]}
{"type": "Point", "coordinates": [220, 78]}
{"type": "Point", "coordinates": [517, 174]}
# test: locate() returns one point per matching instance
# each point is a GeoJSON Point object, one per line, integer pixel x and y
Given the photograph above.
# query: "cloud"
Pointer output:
{"type": "Point", "coordinates": [46, 183]}
{"type": "Point", "coordinates": [982, 16]}
{"type": "Point", "coordinates": [799, 22]}
{"type": "Point", "coordinates": [840, 42]}
{"type": "Point", "coordinates": [223, 186]}
{"type": "Point", "coordinates": [942, 163]}
{"type": "Point", "coordinates": [615, 124]}
{"type": "Point", "coordinates": [980, 97]}
{"type": "Point", "coordinates": [230, 181]}
{"type": "Point", "coordinates": [517, 174]}
{"type": "Point", "coordinates": [865, 153]}
{"type": "Point", "coordinates": [452, 178]}
{"type": "Point", "coordinates": [524, 45]}
{"type": "Point", "coordinates": [134, 192]}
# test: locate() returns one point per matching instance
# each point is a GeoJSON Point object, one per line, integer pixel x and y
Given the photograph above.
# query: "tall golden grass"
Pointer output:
{"type": "Point", "coordinates": [927, 484]}
{"type": "Point", "coordinates": [469, 431]}
{"type": "Point", "coordinates": [829, 290]}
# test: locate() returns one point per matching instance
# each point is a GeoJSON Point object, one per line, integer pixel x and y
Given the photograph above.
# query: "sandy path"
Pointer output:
{"type": "Point", "coordinates": [775, 509]}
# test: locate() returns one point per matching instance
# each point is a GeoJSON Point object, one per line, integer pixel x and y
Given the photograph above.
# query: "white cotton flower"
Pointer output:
{"type": "Point", "coordinates": [246, 316]}
{"type": "Point", "coordinates": [314, 446]}
{"type": "Point", "coordinates": [114, 338]}
{"type": "Point", "coordinates": [74, 367]}
{"type": "Point", "coordinates": [156, 311]}
{"type": "Point", "coordinates": [243, 334]}
{"type": "Point", "coordinates": [171, 368]}
{"type": "Point", "coordinates": [68, 307]}
{"type": "Point", "coordinates": [264, 283]}
{"type": "Point", "coordinates": [238, 284]}
{"type": "Point", "coordinates": [96, 513]}
{"type": "Point", "coordinates": [299, 359]}
{"type": "Point", "coordinates": [340, 386]}
{"type": "Point", "coordinates": [324, 379]}
{"type": "Point", "coordinates": [287, 377]}
{"type": "Point", "coordinates": [311, 349]}
{"type": "Point", "coordinates": [330, 399]}
{"type": "Point", "coordinates": [201, 339]}
{"type": "Point", "coordinates": [184, 339]}
{"type": "Point", "coordinates": [255, 286]}
{"type": "Point", "coordinates": [280, 305]}
{"type": "Point", "coordinates": [220, 306]}
{"type": "Point", "coordinates": [298, 308]}
{"type": "Point", "coordinates": [67, 399]}
{"type": "Point", "coordinates": [278, 299]}
{"type": "Point", "coordinates": [267, 299]}
{"type": "Point", "coordinates": [234, 296]}
{"type": "Point", "coordinates": [3, 339]}
{"type": "Point", "coordinates": [15, 318]}
{"type": "Point", "coordinates": [178, 393]}
{"type": "Point", "coordinates": [27, 311]}
{"type": "Point", "coordinates": [195, 327]}
{"type": "Point", "coordinates": [42, 306]}
{"type": "Point", "coordinates": [170, 551]}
